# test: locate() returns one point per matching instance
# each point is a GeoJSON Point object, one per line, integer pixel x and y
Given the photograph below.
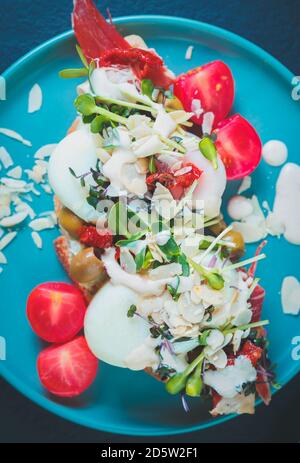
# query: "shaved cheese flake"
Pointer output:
{"type": "Point", "coordinates": [229, 380]}
{"type": "Point", "coordinates": [47, 189]}
{"type": "Point", "coordinates": [196, 107]}
{"type": "Point", "coordinates": [43, 223]}
{"type": "Point", "coordinates": [7, 239]}
{"type": "Point", "coordinates": [13, 184]}
{"type": "Point", "coordinates": [189, 52]}
{"type": "Point", "coordinates": [37, 239]}
{"type": "Point", "coordinates": [207, 124]}
{"type": "Point", "coordinates": [290, 295]}
{"type": "Point", "coordinates": [5, 158]}
{"type": "Point", "coordinates": [45, 151]}
{"type": "Point", "coordinates": [13, 220]}
{"type": "Point", "coordinates": [15, 173]}
{"type": "Point", "coordinates": [3, 259]}
{"type": "Point", "coordinates": [35, 99]}
{"type": "Point", "coordinates": [15, 136]}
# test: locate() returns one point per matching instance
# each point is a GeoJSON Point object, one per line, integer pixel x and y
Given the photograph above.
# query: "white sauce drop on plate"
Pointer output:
{"type": "Point", "coordinates": [239, 207]}
{"type": "Point", "coordinates": [286, 205]}
{"type": "Point", "coordinates": [290, 295]}
{"type": "Point", "coordinates": [275, 152]}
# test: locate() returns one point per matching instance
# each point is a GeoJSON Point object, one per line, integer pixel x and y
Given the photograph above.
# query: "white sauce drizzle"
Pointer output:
{"type": "Point", "coordinates": [286, 205]}
{"type": "Point", "coordinates": [275, 153]}
{"type": "Point", "coordinates": [239, 207]}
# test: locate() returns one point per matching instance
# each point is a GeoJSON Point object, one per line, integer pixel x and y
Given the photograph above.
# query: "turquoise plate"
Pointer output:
{"type": "Point", "coordinates": [122, 401]}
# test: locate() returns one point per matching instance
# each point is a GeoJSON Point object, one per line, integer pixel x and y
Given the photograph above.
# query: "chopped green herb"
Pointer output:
{"type": "Point", "coordinates": [131, 311]}
{"type": "Point", "coordinates": [174, 290]}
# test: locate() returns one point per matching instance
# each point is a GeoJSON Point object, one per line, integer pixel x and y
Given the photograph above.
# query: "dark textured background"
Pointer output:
{"type": "Point", "coordinates": [272, 24]}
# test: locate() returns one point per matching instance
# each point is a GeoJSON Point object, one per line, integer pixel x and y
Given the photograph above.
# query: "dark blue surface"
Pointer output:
{"type": "Point", "coordinates": [264, 426]}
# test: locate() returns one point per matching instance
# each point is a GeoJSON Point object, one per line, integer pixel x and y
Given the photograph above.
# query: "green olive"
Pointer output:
{"type": "Point", "coordinates": [70, 222]}
{"type": "Point", "coordinates": [86, 267]}
{"type": "Point", "coordinates": [218, 227]}
{"type": "Point", "coordinates": [235, 237]}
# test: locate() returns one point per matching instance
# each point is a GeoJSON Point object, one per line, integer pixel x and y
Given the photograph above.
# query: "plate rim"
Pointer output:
{"type": "Point", "coordinates": [61, 410]}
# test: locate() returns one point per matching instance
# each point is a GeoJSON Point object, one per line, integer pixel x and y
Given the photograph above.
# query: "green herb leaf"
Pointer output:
{"type": "Point", "coordinates": [98, 123]}
{"type": "Point", "coordinates": [209, 151]}
{"type": "Point", "coordinates": [72, 172]}
{"type": "Point", "coordinates": [171, 248]}
{"type": "Point", "coordinates": [174, 290]}
{"type": "Point", "coordinates": [139, 259]}
{"type": "Point", "coordinates": [203, 337]}
{"type": "Point", "coordinates": [73, 73]}
{"type": "Point", "coordinates": [147, 87]}
{"type": "Point", "coordinates": [131, 311]}
{"type": "Point", "coordinates": [85, 104]}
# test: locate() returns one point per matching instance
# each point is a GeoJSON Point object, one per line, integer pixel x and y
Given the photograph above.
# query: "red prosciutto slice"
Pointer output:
{"type": "Point", "coordinates": [100, 41]}
{"type": "Point", "coordinates": [256, 301]}
{"type": "Point", "coordinates": [94, 34]}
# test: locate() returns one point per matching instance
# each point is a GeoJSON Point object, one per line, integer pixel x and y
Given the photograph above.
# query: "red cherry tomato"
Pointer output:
{"type": "Point", "coordinates": [239, 146]}
{"type": "Point", "coordinates": [56, 311]}
{"type": "Point", "coordinates": [67, 370]}
{"type": "Point", "coordinates": [212, 84]}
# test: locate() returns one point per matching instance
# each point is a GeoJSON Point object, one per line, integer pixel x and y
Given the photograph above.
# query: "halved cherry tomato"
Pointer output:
{"type": "Point", "coordinates": [67, 370]}
{"type": "Point", "coordinates": [56, 311]}
{"type": "Point", "coordinates": [239, 146]}
{"type": "Point", "coordinates": [212, 84]}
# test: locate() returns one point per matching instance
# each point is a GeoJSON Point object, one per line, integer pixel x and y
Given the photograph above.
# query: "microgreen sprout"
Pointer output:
{"type": "Point", "coordinates": [194, 383]}
{"type": "Point", "coordinates": [73, 73]}
{"type": "Point", "coordinates": [126, 104]}
{"type": "Point", "coordinates": [213, 277]}
{"type": "Point", "coordinates": [178, 382]}
{"type": "Point", "coordinates": [131, 311]}
{"type": "Point", "coordinates": [147, 88]}
{"type": "Point", "coordinates": [86, 105]}
{"type": "Point", "coordinates": [209, 151]}
{"type": "Point", "coordinates": [152, 167]}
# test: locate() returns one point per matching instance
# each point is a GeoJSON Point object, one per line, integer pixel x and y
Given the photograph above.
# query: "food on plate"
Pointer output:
{"type": "Point", "coordinates": [56, 311]}
{"type": "Point", "coordinates": [68, 369]}
{"type": "Point", "coordinates": [138, 183]}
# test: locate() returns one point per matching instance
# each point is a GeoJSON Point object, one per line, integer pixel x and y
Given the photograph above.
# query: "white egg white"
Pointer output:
{"type": "Point", "coordinates": [110, 333]}
{"type": "Point", "coordinates": [78, 152]}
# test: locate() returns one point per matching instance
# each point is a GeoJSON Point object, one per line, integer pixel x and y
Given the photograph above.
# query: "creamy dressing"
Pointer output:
{"type": "Point", "coordinates": [286, 204]}
{"type": "Point", "coordinates": [135, 282]}
{"type": "Point", "coordinates": [211, 184]}
{"type": "Point", "coordinates": [239, 207]}
{"type": "Point", "coordinates": [228, 381]}
{"type": "Point", "coordinates": [275, 152]}
{"type": "Point", "coordinates": [290, 295]}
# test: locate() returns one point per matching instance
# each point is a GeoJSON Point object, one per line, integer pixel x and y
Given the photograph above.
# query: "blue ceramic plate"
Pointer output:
{"type": "Point", "coordinates": [122, 401]}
